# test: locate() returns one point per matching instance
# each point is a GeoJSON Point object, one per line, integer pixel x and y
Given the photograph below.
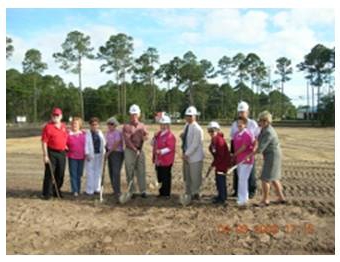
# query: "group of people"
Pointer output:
{"type": "Point", "coordinates": [92, 150]}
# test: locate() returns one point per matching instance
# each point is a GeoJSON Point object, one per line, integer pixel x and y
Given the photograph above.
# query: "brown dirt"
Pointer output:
{"type": "Point", "coordinates": [152, 226]}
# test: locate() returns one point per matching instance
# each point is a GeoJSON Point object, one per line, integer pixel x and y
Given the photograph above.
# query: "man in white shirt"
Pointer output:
{"type": "Point", "coordinates": [252, 126]}
{"type": "Point", "coordinates": [192, 148]}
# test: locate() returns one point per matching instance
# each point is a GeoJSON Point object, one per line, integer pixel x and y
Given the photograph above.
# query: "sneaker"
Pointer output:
{"type": "Point", "coordinates": [75, 194]}
{"type": "Point", "coordinates": [143, 195]}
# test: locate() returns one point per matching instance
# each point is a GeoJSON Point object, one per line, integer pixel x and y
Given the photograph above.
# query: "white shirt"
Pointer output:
{"type": "Point", "coordinates": [252, 126]}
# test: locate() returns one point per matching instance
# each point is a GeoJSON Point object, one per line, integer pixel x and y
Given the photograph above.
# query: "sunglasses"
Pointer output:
{"type": "Point", "coordinates": [110, 124]}
{"type": "Point", "coordinates": [55, 115]}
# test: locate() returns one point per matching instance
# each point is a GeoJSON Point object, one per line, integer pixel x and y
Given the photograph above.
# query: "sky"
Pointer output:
{"type": "Point", "coordinates": [209, 33]}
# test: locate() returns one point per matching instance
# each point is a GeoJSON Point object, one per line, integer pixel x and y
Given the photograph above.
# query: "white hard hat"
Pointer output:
{"type": "Point", "coordinates": [213, 125]}
{"type": "Point", "coordinates": [191, 111]}
{"type": "Point", "coordinates": [242, 107]}
{"type": "Point", "coordinates": [165, 120]}
{"type": "Point", "coordinates": [134, 109]}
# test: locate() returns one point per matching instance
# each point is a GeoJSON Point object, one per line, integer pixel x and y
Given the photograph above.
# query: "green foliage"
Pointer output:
{"type": "Point", "coordinates": [186, 78]}
{"type": "Point", "coordinates": [9, 47]}
{"type": "Point", "coordinates": [327, 110]}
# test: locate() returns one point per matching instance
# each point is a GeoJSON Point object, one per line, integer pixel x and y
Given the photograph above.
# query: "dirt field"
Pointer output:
{"type": "Point", "coordinates": [152, 226]}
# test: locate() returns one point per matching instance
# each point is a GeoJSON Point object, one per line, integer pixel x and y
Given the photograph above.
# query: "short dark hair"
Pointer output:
{"type": "Point", "coordinates": [93, 119]}
{"type": "Point", "coordinates": [243, 119]}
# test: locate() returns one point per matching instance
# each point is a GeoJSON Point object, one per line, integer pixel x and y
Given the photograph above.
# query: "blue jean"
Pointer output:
{"type": "Point", "coordinates": [76, 167]}
{"type": "Point", "coordinates": [221, 185]}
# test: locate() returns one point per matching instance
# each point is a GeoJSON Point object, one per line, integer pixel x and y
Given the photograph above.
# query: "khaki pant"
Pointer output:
{"type": "Point", "coordinates": [192, 173]}
{"type": "Point", "coordinates": [135, 169]}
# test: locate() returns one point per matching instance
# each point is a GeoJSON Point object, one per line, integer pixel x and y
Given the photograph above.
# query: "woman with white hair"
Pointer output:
{"type": "Point", "coordinates": [269, 146]}
{"type": "Point", "coordinates": [163, 155]}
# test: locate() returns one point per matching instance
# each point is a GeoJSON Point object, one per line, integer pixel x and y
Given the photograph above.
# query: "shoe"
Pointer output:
{"type": "Point", "coordinates": [218, 201]}
{"type": "Point", "coordinates": [143, 195]}
{"type": "Point", "coordinates": [55, 195]}
{"type": "Point", "coordinates": [234, 194]}
{"type": "Point", "coordinates": [251, 196]}
{"type": "Point", "coordinates": [96, 192]}
{"type": "Point", "coordinates": [45, 197]}
{"type": "Point", "coordinates": [196, 197]}
{"type": "Point", "coordinates": [75, 194]}
{"type": "Point", "coordinates": [280, 202]}
{"type": "Point", "coordinates": [262, 204]}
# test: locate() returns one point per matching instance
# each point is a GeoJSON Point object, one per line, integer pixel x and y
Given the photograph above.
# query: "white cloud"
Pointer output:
{"type": "Point", "coordinates": [172, 19]}
{"type": "Point", "coordinates": [231, 25]}
{"type": "Point", "coordinates": [304, 17]}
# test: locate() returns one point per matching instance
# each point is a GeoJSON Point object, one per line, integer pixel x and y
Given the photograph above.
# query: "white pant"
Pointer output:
{"type": "Point", "coordinates": [93, 169]}
{"type": "Point", "coordinates": [243, 172]}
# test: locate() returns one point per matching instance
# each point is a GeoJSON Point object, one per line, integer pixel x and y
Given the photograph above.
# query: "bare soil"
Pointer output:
{"type": "Point", "coordinates": [154, 226]}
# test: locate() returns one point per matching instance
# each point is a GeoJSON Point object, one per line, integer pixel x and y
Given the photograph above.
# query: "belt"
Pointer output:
{"type": "Point", "coordinates": [55, 150]}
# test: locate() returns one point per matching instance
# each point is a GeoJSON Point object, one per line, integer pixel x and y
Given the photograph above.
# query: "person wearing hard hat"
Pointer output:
{"type": "Point", "coordinates": [243, 143]}
{"type": "Point", "coordinates": [54, 145]}
{"type": "Point", "coordinates": [222, 161]}
{"type": "Point", "coordinates": [192, 148]}
{"type": "Point", "coordinates": [253, 128]}
{"type": "Point", "coordinates": [114, 153]}
{"type": "Point", "coordinates": [163, 155]}
{"type": "Point", "coordinates": [135, 134]}
{"type": "Point", "coordinates": [94, 155]}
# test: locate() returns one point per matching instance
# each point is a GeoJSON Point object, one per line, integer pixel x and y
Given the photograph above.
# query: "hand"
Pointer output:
{"type": "Point", "coordinates": [158, 151]}
{"type": "Point", "coordinates": [87, 157]}
{"type": "Point", "coordinates": [138, 152]}
{"type": "Point", "coordinates": [185, 158]}
{"type": "Point", "coordinates": [46, 159]}
{"type": "Point", "coordinates": [107, 154]}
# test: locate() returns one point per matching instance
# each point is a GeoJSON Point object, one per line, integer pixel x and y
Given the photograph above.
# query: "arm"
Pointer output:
{"type": "Point", "coordinates": [266, 139]}
{"type": "Point", "coordinates": [127, 139]}
{"type": "Point", "coordinates": [170, 146]}
{"type": "Point", "coordinates": [44, 150]}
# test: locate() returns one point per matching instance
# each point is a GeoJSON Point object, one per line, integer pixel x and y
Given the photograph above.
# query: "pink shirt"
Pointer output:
{"type": "Point", "coordinates": [112, 137]}
{"type": "Point", "coordinates": [76, 145]}
{"type": "Point", "coordinates": [244, 138]}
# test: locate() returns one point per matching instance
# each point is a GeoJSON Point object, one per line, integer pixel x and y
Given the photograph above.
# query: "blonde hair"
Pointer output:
{"type": "Point", "coordinates": [266, 115]}
{"type": "Point", "coordinates": [80, 121]}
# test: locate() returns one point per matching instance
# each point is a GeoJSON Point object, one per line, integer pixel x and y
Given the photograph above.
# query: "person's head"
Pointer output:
{"type": "Point", "coordinates": [243, 109]}
{"type": "Point", "coordinates": [165, 122]}
{"type": "Point", "coordinates": [265, 119]}
{"type": "Point", "coordinates": [134, 113]}
{"type": "Point", "coordinates": [94, 124]}
{"type": "Point", "coordinates": [213, 128]}
{"type": "Point", "coordinates": [56, 115]}
{"type": "Point", "coordinates": [76, 124]}
{"type": "Point", "coordinates": [190, 114]}
{"type": "Point", "coordinates": [241, 123]}
{"type": "Point", "coordinates": [112, 123]}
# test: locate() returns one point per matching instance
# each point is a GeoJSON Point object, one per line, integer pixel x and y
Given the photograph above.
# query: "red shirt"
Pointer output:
{"type": "Point", "coordinates": [54, 137]}
{"type": "Point", "coordinates": [219, 149]}
{"type": "Point", "coordinates": [164, 140]}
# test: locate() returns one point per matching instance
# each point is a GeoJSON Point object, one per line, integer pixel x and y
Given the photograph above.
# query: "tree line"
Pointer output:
{"type": "Point", "coordinates": [182, 81]}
